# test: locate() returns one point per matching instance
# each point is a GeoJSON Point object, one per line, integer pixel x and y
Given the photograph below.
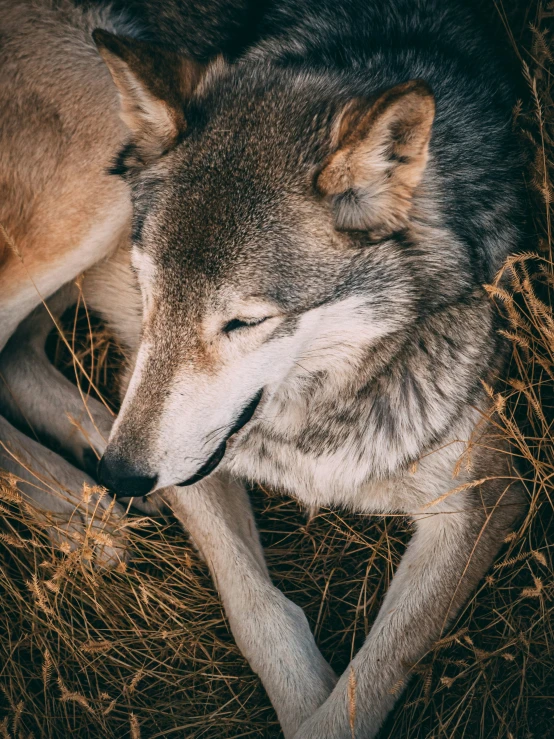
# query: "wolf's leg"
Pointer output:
{"type": "Point", "coordinates": [444, 561]}
{"type": "Point", "coordinates": [33, 392]}
{"type": "Point", "coordinates": [72, 513]}
{"type": "Point", "coordinates": [270, 630]}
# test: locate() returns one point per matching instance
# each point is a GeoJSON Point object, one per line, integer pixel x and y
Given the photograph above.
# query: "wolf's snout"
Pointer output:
{"type": "Point", "coordinates": [122, 478]}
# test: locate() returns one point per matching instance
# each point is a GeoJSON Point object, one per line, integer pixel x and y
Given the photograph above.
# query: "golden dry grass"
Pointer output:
{"type": "Point", "coordinates": [145, 651]}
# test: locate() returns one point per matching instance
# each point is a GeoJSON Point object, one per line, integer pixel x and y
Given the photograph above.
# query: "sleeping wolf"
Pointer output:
{"type": "Point", "coordinates": [312, 227]}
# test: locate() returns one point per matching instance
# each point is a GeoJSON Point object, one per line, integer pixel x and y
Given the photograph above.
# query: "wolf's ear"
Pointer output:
{"type": "Point", "coordinates": [153, 84]}
{"type": "Point", "coordinates": [380, 153]}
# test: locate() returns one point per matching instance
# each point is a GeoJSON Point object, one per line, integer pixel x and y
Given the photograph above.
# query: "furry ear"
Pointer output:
{"type": "Point", "coordinates": [153, 84]}
{"type": "Point", "coordinates": [380, 154]}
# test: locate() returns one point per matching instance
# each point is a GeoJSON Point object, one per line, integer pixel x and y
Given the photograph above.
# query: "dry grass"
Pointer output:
{"type": "Point", "coordinates": [145, 651]}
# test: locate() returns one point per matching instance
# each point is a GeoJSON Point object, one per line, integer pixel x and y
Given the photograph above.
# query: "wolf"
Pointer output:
{"type": "Point", "coordinates": [312, 218]}
{"type": "Point", "coordinates": [313, 226]}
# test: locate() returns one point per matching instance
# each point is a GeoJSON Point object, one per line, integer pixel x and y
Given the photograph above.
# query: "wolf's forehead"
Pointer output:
{"type": "Point", "coordinates": [230, 179]}
{"type": "Point", "coordinates": [201, 224]}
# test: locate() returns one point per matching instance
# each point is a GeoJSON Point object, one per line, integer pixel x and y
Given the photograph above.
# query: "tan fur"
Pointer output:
{"type": "Point", "coordinates": [59, 131]}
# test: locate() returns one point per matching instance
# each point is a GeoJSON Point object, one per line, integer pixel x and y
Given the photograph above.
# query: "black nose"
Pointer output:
{"type": "Point", "coordinates": [123, 479]}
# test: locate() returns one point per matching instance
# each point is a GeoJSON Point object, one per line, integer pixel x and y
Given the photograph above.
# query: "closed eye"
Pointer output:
{"type": "Point", "coordinates": [237, 323]}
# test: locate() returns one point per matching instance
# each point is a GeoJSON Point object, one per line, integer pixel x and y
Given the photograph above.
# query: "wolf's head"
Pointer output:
{"type": "Point", "coordinates": [284, 223]}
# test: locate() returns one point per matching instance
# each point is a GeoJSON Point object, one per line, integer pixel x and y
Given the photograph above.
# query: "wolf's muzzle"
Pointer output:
{"type": "Point", "coordinates": [209, 466]}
